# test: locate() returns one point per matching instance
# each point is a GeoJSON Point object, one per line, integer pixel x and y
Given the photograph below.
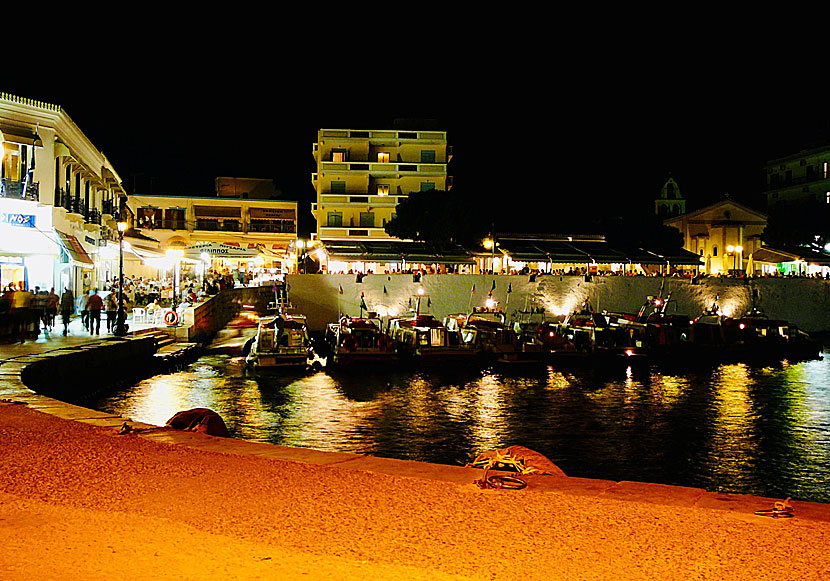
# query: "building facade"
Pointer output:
{"type": "Point", "coordinates": [256, 236]}
{"type": "Point", "coordinates": [58, 200]}
{"type": "Point", "coordinates": [724, 234]}
{"type": "Point", "coordinates": [362, 174]}
{"type": "Point", "coordinates": [800, 178]}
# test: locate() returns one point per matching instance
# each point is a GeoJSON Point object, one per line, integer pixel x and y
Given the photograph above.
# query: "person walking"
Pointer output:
{"type": "Point", "coordinates": [52, 302]}
{"type": "Point", "coordinates": [94, 304]}
{"type": "Point", "coordinates": [21, 304]}
{"type": "Point", "coordinates": [111, 303]}
{"type": "Point", "coordinates": [67, 305]}
{"type": "Point", "coordinates": [38, 310]}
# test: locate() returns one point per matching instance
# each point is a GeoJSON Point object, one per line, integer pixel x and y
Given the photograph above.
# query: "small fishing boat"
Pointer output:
{"type": "Point", "coordinates": [428, 340]}
{"type": "Point", "coordinates": [354, 340]}
{"type": "Point", "coordinates": [281, 341]}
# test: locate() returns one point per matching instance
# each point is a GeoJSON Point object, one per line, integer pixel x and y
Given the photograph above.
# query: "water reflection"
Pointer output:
{"type": "Point", "coordinates": [736, 428]}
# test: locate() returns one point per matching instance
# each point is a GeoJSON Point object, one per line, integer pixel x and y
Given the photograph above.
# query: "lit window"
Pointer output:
{"type": "Point", "coordinates": [383, 190]}
{"type": "Point", "coordinates": [383, 157]}
{"type": "Point", "coordinates": [827, 198]}
{"type": "Point", "coordinates": [338, 155]}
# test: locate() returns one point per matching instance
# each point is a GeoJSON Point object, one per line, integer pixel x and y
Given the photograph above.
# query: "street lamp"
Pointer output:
{"type": "Point", "coordinates": [175, 254]}
{"type": "Point", "coordinates": [120, 328]}
{"type": "Point", "coordinates": [300, 255]}
{"type": "Point", "coordinates": [734, 251]}
{"type": "Point", "coordinates": [490, 244]}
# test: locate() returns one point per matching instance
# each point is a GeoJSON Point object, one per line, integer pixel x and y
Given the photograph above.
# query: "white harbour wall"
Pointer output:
{"type": "Point", "coordinates": [805, 302]}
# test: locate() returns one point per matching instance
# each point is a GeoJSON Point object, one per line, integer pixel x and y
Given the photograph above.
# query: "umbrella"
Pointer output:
{"type": "Point", "coordinates": [708, 266]}
{"type": "Point", "coordinates": [750, 266]}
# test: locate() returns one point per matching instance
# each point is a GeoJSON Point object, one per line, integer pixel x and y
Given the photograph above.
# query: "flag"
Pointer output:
{"type": "Point", "coordinates": [341, 288]}
{"type": "Point", "coordinates": [494, 286]}
{"type": "Point", "coordinates": [473, 290]}
{"type": "Point", "coordinates": [363, 303]}
{"type": "Point", "coordinates": [509, 287]}
{"type": "Point", "coordinates": [384, 290]}
{"type": "Point", "coordinates": [429, 302]}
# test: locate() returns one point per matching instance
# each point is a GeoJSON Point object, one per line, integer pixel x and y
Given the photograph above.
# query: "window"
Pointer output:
{"type": "Point", "coordinates": [174, 219]}
{"type": "Point", "coordinates": [827, 197]}
{"type": "Point", "coordinates": [334, 219]}
{"type": "Point", "coordinates": [427, 186]}
{"type": "Point", "coordinates": [338, 187]}
{"type": "Point", "coordinates": [427, 156]}
{"type": "Point", "coordinates": [367, 220]}
{"type": "Point", "coordinates": [383, 189]}
{"type": "Point", "coordinates": [339, 155]}
{"type": "Point", "coordinates": [714, 250]}
{"type": "Point", "coordinates": [383, 157]}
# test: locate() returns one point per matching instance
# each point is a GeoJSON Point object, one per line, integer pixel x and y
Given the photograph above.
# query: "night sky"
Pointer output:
{"type": "Point", "coordinates": [545, 149]}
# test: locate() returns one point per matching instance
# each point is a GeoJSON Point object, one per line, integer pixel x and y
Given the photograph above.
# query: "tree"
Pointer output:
{"type": "Point", "coordinates": [438, 218]}
{"type": "Point", "coordinates": [642, 230]}
{"type": "Point", "coordinates": [794, 225]}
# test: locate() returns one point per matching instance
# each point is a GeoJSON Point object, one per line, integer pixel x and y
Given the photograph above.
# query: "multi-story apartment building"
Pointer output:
{"type": "Point", "coordinates": [800, 178]}
{"type": "Point", "coordinates": [58, 199]}
{"type": "Point", "coordinates": [362, 174]}
{"type": "Point", "coordinates": [226, 232]}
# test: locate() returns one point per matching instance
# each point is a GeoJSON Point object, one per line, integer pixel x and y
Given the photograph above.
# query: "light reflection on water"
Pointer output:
{"type": "Point", "coordinates": [733, 428]}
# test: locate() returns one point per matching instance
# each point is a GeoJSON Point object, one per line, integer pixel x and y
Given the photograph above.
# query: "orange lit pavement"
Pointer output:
{"type": "Point", "coordinates": [80, 501]}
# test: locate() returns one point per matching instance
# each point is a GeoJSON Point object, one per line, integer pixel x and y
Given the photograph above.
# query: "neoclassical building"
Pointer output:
{"type": "Point", "coordinates": [58, 199]}
{"type": "Point", "coordinates": [724, 234]}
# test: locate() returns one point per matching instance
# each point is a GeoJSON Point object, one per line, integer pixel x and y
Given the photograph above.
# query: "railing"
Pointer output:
{"type": "Point", "coordinates": [795, 181]}
{"type": "Point", "coordinates": [14, 189]}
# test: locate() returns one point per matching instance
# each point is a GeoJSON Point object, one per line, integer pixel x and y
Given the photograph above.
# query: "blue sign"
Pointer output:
{"type": "Point", "coordinates": [23, 220]}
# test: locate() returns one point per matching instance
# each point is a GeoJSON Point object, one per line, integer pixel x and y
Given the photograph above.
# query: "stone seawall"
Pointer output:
{"type": "Point", "coordinates": [805, 302]}
{"type": "Point", "coordinates": [73, 373]}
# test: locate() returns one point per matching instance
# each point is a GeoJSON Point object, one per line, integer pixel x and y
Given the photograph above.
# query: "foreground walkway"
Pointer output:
{"type": "Point", "coordinates": [80, 501]}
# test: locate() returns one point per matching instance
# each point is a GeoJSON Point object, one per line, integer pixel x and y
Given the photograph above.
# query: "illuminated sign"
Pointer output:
{"type": "Point", "coordinates": [22, 220]}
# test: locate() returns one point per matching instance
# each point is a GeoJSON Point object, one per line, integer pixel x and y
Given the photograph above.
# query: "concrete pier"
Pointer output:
{"type": "Point", "coordinates": [82, 500]}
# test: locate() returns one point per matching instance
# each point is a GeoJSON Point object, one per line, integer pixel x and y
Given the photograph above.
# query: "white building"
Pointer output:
{"type": "Point", "coordinates": [58, 199]}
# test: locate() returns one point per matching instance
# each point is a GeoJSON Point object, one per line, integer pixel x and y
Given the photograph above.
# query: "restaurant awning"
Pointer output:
{"type": "Point", "coordinates": [75, 250]}
{"type": "Point", "coordinates": [394, 251]}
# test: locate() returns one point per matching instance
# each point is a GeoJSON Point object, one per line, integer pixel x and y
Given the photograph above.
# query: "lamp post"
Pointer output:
{"type": "Point", "coordinates": [734, 251]}
{"type": "Point", "coordinates": [300, 255]}
{"type": "Point", "coordinates": [120, 328]}
{"type": "Point", "coordinates": [175, 254]}
{"type": "Point", "coordinates": [490, 244]}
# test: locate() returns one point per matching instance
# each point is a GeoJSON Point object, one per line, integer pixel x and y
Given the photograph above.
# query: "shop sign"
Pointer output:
{"type": "Point", "coordinates": [219, 249]}
{"type": "Point", "coordinates": [22, 220]}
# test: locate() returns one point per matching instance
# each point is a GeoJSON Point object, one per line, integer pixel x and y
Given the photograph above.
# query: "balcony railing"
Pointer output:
{"type": "Point", "coordinates": [14, 189]}
{"type": "Point", "coordinates": [785, 183]}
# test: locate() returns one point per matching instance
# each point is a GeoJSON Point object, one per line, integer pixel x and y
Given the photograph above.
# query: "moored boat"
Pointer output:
{"type": "Point", "coordinates": [427, 340]}
{"type": "Point", "coordinates": [281, 341]}
{"type": "Point", "coordinates": [358, 340]}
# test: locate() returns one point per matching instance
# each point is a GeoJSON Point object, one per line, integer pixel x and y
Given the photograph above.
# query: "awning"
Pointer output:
{"type": "Point", "coordinates": [75, 250]}
{"type": "Point", "coordinates": [220, 250]}
{"type": "Point", "coordinates": [217, 211]}
{"type": "Point", "coordinates": [394, 251]}
{"type": "Point", "coordinates": [775, 256]}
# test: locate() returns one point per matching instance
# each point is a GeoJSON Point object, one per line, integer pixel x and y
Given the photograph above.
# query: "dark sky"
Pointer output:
{"type": "Point", "coordinates": [543, 146]}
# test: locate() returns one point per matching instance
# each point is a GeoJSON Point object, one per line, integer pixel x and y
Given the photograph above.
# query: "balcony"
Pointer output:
{"type": "Point", "coordinates": [14, 189]}
{"type": "Point", "coordinates": [784, 184]}
{"type": "Point", "coordinates": [383, 169]}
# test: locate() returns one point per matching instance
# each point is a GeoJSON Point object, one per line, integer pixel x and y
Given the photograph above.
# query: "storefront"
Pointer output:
{"type": "Point", "coordinates": [28, 250]}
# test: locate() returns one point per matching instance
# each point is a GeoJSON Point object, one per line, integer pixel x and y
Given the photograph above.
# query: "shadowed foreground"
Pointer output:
{"type": "Point", "coordinates": [82, 502]}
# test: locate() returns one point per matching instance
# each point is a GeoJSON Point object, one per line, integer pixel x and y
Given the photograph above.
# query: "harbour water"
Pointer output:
{"type": "Point", "coordinates": [762, 430]}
